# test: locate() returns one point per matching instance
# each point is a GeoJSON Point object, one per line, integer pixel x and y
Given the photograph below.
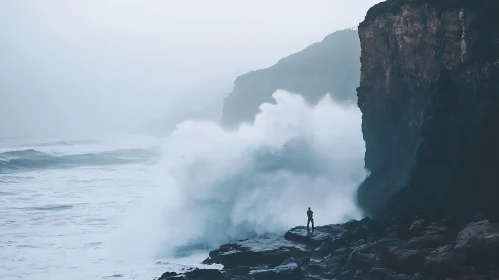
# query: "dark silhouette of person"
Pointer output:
{"type": "Point", "coordinates": [310, 216]}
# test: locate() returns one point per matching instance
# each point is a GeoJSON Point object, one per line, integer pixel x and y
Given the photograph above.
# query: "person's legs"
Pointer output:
{"type": "Point", "coordinates": [308, 224]}
{"type": "Point", "coordinates": [312, 224]}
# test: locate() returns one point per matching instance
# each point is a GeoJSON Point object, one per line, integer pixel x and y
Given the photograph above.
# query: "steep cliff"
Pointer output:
{"type": "Point", "coordinates": [429, 94]}
{"type": "Point", "coordinates": [331, 66]}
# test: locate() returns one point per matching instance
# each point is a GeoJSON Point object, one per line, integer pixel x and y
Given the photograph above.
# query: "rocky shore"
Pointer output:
{"type": "Point", "coordinates": [416, 248]}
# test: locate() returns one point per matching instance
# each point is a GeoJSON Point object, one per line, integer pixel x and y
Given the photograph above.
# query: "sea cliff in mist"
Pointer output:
{"type": "Point", "coordinates": [330, 66]}
{"type": "Point", "coordinates": [429, 97]}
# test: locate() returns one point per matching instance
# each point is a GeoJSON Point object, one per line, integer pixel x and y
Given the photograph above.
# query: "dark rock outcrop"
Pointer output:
{"type": "Point", "coordinates": [195, 274]}
{"type": "Point", "coordinates": [288, 271]}
{"type": "Point", "coordinates": [321, 235]}
{"type": "Point", "coordinates": [331, 66]}
{"type": "Point", "coordinates": [429, 94]}
{"type": "Point", "coordinates": [263, 250]}
{"type": "Point", "coordinates": [470, 252]}
{"type": "Point", "coordinates": [479, 242]}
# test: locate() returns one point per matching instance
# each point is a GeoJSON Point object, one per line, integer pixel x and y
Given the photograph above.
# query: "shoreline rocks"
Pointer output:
{"type": "Point", "coordinates": [364, 250]}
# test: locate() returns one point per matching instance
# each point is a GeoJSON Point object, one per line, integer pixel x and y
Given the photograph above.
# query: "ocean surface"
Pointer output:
{"type": "Point", "coordinates": [64, 203]}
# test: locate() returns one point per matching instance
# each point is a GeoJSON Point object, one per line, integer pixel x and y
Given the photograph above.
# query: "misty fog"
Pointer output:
{"type": "Point", "coordinates": [88, 68]}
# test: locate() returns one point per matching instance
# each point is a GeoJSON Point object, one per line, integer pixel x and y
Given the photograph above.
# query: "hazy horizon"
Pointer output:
{"type": "Point", "coordinates": [85, 68]}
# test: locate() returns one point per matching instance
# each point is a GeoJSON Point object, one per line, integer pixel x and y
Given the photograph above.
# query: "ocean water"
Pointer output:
{"type": "Point", "coordinates": [62, 203]}
{"type": "Point", "coordinates": [135, 207]}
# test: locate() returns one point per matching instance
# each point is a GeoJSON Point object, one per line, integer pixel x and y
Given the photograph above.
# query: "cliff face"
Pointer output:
{"type": "Point", "coordinates": [429, 94]}
{"type": "Point", "coordinates": [331, 66]}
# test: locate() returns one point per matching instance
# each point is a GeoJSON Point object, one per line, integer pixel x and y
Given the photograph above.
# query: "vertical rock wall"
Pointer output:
{"type": "Point", "coordinates": [429, 94]}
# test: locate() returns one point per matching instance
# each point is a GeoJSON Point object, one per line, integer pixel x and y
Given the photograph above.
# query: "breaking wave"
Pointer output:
{"type": "Point", "coordinates": [31, 159]}
{"type": "Point", "coordinates": [221, 186]}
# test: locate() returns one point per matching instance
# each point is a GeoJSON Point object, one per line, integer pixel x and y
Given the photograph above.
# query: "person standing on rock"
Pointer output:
{"type": "Point", "coordinates": [310, 216]}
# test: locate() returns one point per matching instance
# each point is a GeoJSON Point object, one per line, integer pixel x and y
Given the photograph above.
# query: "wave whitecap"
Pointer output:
{"type": "Point", "coordinates": [30, 159]}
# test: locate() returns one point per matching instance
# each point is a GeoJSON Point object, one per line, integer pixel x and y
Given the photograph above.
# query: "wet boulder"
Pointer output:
{"type": "Point", "coordinates": [479, 237]}
{"type": "Point", "coordinates": [345, 275]}
{"type": "Point", "coordinates": [479, 242]}
{"type": "Point", "coordinates": [304, 261]}
{"type": "Point", "coordinates": [377, 273]}
{"type": "Point", "coordinates": [325, 248]}
{"type": "Point", "coordinates": [317, 267]}
{"type": "Point", "coordinates": [443, 261]}
{"type": "Point", "coordinates": [239, 271]}
{"type": "Point", "coordinates": [264, 250]}
{"type": "Point", "coordinates": [288, 271]}
{"type": "Point", "coordinates": [304, 236]}
{"type": "Point", "coordinates": [427, 242]}
{"type": "Point", "coordinates": [417, 227]}
{"type": "Point", "coordinates": [337, 259]}
{"type": "Point", "coordinates": [438, 230]}
{"type": "Point", "coordinates": [168, 275]}
{"type": "Point", "coordinates": [367, 255]}
{"type": "Point", "coordinates": [196, 274]}
{"type": "Point", "coordinates": [402, 260]}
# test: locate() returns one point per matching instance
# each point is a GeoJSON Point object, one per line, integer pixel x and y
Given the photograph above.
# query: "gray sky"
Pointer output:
{"type": "Point", "coordinates": [83, 67]}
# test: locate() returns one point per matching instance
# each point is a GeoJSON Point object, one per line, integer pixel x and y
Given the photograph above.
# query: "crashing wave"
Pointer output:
{"type": "Point", "coordinates": [221, 186]}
